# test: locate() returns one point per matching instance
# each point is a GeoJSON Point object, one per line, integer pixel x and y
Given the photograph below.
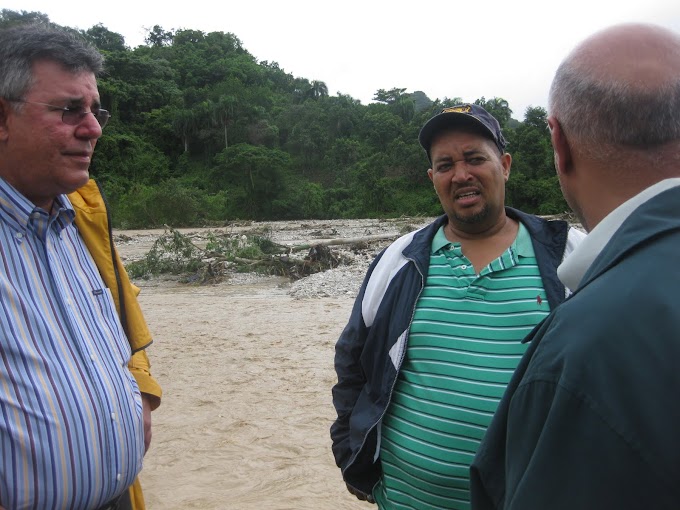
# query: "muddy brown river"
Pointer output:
{"type": "Point", "coordinates": [247, 373]}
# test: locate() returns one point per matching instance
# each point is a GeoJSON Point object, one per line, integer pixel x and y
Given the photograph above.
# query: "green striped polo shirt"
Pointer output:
{"type": "Point", "coordinates": [464, 344]}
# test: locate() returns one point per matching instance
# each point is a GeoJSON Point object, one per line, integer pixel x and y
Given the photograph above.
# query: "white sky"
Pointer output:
{"type": "Point", "coordinates": [446, 48]}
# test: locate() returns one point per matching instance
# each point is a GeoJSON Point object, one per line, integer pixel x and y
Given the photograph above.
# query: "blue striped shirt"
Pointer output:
{"type": "Point", "coordinates": [71, 426]}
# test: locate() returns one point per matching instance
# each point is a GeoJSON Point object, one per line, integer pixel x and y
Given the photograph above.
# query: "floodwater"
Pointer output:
{"type": "Point", "coordinates": [247, 373]}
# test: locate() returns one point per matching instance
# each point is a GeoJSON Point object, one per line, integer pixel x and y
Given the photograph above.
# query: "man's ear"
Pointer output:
{"type": "Point", "coordinates": [506, 163]}
{"type": "Point", "coordinates": [563, 157]}
{"type": "Point", "coordinates": [4, 118]}
{"type": "Point", "coordinates": [430, 172]}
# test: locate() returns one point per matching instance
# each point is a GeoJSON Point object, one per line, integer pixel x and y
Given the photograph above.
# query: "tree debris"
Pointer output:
{"type": "Point", "coordinates": [223, 253]}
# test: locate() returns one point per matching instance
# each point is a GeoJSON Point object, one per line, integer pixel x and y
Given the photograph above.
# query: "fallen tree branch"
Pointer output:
{"type": "Point", "coordinates": [252, 262]}
{"type": "Point", "coordinates": [343, 241]}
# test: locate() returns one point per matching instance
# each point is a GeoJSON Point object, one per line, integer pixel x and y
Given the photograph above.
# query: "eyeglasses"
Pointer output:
{"type": "Point", "coordinates": [73, 115]}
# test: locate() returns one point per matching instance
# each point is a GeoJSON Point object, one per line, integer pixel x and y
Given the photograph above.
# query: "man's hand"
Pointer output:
{"type": "Point", "coordinates": [360, 495]}
{"type": "Point", "coordinates": [146, 408]}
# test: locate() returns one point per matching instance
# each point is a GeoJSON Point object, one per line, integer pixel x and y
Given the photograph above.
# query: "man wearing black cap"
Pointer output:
{"type": "Point", "coordinates": [436, 330]}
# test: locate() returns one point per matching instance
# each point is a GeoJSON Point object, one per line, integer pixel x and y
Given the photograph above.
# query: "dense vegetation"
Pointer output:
{"type": "Point", "coordinates": [202, 132]}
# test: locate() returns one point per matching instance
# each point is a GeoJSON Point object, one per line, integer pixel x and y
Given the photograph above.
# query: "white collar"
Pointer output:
{"type": "Point", "coordinates": [573, 267]}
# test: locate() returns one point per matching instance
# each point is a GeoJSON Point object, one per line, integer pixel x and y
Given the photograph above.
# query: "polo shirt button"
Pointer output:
{"type": "Point", "coordinates": [463, 266]}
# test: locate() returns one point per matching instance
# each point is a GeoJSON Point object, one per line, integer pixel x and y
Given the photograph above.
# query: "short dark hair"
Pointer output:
{"type": "Point", "coordinates": [22, 45]}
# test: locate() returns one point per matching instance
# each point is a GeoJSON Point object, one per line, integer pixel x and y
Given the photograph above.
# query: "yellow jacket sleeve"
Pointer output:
{"type": "Point", "coordinates": [140, 367]}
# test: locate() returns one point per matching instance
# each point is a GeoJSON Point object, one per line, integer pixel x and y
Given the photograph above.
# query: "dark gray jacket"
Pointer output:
{"type": "Point", "coordinates": [591, 417]}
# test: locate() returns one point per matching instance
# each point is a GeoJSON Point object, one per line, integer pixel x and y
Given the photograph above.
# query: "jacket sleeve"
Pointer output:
{"type": "Point", "coordinates": [140, 367]}
{"type": "Point", "coordinates": [351, 378]}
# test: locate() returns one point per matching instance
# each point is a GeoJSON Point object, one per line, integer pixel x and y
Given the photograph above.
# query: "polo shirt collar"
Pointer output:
{"type": "Point", "coordinates": [522, 244]}
{"type": "Point", "coordinates": [439, 240]}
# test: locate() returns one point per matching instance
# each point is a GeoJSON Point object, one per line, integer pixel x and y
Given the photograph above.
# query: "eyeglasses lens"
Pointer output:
{"type": "Point", "coordinates": [74, 116]}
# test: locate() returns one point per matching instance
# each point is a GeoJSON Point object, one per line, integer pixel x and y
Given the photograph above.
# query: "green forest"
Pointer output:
{"type": "Point", "coordinates": [203, 133]}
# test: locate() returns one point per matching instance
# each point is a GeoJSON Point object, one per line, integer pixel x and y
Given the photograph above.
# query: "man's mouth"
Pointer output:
{"type": "Point", "coordinates": [84, 155]}
{"type": "Point", "coordinates": [467, 195]}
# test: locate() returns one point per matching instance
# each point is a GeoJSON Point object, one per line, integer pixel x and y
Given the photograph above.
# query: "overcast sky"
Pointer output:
{"type": "Point", "coordinates": [444, 48]}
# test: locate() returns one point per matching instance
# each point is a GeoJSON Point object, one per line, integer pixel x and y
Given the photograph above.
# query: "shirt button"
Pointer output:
{"type": "Point", "coordinates": [463, 266]}
{"type": "Point", "coordinates": [93, 357]}
{"type": "Point", "coordinates": [113, 416]}
{"type": "Point", "coordinates": [19, 236]}
{"type": "Point", "coordinates": [118, 477]}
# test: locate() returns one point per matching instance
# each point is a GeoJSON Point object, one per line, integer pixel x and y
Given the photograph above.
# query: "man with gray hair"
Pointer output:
{"type": "Point", "coordinates": [591, 416]}
{"type": "Point", "coordinates": [77, 394]}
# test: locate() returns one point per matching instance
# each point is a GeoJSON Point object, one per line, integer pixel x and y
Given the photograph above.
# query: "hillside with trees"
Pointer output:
{"type": "Point", "coordinates": [202, 133]}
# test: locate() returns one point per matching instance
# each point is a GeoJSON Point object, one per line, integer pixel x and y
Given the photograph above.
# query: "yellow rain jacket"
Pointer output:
{"type": "Point", "coordinates": [93, 222]}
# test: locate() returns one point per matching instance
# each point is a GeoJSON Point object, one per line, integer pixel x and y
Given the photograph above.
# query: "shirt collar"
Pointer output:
{"type": "Point", "coordinates": [21, 210]}
{"type": "Point", "coordinates": [574, 267]}
{"type": "Point", "coordinates": [439, 240]}
{"type": "Point", "coordinates": [522, 244]}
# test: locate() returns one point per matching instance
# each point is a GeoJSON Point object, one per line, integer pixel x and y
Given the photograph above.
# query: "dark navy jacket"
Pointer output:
{"type": "Point", "coordinates": [591, 417]}
{"type": "Point", "coordinates": [370, 350]}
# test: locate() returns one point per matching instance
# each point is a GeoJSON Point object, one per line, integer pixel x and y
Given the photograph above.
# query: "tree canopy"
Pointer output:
{"type": "Point", "coordinates": [202, 132]}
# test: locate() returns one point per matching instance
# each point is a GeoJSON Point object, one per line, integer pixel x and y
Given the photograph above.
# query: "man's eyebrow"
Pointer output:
{"type": "Point", "coordinates": [444, 157]}
{"type": "Point", "coordinates": [472, 152]}
{"type": "Point", "coordinates": [72, 100]}
{"type": "Point", "coordinates": [80, 101]}
{"type": "Point", "coordinates": [466, 154]}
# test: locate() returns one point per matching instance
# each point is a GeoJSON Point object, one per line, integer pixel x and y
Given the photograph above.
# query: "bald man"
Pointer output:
{"type": "Point", "coordinates": [591, 418]}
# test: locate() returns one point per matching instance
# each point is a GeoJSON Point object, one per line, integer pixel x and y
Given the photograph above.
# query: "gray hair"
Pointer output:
{"type": "Point", "coordinates": [22, 45]}
{"type": "Point", "coordinates": [614, 114]}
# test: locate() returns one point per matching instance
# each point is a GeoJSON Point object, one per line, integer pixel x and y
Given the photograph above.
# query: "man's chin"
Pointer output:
{"type": "Point", "coordinates": [471, 217]}
{"type": "Point", "coordinates": [78, 180]}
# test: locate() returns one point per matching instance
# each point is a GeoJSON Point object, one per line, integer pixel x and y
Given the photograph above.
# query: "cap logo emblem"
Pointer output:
{"type": "Point", "coordinates": [457, 109]}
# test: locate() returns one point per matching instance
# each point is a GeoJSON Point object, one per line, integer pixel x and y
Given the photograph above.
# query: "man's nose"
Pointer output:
{"type": "Point", "coordinates": [89, 127]}
{"type": "Point", "coordinates": [460, 172]}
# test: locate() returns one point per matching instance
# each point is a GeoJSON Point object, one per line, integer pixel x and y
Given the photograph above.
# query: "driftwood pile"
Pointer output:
{"type": "Point", "coordinates": [210, 258]}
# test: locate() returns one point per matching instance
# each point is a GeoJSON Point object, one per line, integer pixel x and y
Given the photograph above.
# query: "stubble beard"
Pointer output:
{"type": "Point", "coordinates": [472, 219]}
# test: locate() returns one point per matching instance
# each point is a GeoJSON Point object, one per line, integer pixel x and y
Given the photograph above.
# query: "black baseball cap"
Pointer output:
{"type": "Point", "coordinates": [458, 116]}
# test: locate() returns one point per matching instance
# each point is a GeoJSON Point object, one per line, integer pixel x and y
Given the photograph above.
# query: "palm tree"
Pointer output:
{"type": "Point", "coordinates": [405, 107]}
{"type": "Point", "coordinates": [318, 89]}
{"type": "Point", "coordinates": [184, 124]}
{"type": "Point", "coordinates": [224, 113]}
{"type": "Point", "coordinates": [498, 107]}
